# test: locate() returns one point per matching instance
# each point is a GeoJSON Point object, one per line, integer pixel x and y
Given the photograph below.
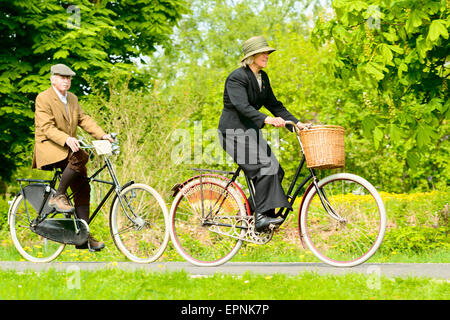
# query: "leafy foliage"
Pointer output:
{"type": "Point", "coordinates": [378, 68]}
{"type": "Point", "coordinates": [320, 80]}
{"type": "Point", "coordinates": [416, 239]}
{"type": "Point", "coordinates": [393, 54]}
{"type": "Point", "coordinates": [96, 38]}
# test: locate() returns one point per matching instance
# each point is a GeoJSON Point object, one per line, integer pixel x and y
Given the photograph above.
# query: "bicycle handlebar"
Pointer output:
{"type": "Point", "coordinates": [296, 128]}
{"type": "Point", "coordinates": [292, 123]}
{"type": "Point", "coordinates": [115, 144]}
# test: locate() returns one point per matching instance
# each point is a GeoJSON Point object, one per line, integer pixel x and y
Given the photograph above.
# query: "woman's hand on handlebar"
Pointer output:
{"type": "Point", "coordinates": [302, 126]}
{"type": "Point", "coordinates": [298, 126]}
{"type": "Point", "coordinates": [276, 122]}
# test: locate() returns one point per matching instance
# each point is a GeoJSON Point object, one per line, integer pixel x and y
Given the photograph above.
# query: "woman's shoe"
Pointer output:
{"type": "Point", "coordinates": [262, 221]}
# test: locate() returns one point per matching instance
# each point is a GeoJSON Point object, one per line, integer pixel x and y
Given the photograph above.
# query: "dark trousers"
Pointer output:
{"type": "Point", "coordinates": [76, 161]}
{"type": "Point", "coordinates": [252, 153]}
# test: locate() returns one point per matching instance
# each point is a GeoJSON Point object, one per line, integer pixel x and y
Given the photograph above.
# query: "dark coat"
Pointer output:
{"type": "Point", "coordinates": [242, 99]}
{"type": "Point", "coordinates": [241, 138]}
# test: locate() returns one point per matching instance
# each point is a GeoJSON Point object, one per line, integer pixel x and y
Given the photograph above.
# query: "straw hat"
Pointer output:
{"type": "Point", "coordinates": [255, 45]}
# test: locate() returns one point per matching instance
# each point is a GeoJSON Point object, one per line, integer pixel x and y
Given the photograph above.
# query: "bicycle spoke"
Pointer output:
{"type": "Point", "coordinates": [194, 240]}
{"type": "Point", "coordinates": [352, 239]}
{"type": "Point", "coordinates": [31, 246]}
{"type": "Point", "coordinates": [144, 237]}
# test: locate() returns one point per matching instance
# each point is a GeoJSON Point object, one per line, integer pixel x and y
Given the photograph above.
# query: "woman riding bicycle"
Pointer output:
{"type": "Point", "coordinates": [247, 89]}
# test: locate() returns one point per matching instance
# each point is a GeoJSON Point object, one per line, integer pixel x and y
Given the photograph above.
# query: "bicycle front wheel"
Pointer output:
{"type": "Point", "coordinates": [345, 226]}
{"type": "Point", "coordinates": [138, 221]}
{"type": "Point", "coordinates": [30, 245]}
{"type": "Point", "coordinates": [205, 222]}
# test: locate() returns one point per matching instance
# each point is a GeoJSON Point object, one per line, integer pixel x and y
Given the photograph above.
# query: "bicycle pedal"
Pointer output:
{"type": "Point", "coordinates": [273, 226]}
{"type": "Point", "coordinates": [90, 249]}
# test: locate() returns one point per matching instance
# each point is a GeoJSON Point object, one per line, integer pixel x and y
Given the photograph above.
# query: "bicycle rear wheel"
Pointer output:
{"type": "Point", "coordinates": [141, 232]}
{"type": "Point", "coordinates": [353, 233]}
{"type": "Point", "coordinates": [211, 239]}
{"type": "Point", "coordinates": [30, 245]}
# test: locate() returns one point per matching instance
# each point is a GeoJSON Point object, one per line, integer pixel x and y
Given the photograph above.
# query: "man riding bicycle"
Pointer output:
{"type": "Point", "coordinates": [57, 118]}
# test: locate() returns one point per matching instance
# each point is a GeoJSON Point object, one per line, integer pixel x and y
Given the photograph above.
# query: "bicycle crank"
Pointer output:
{"type": "Point", "coordinates": [239, 227]}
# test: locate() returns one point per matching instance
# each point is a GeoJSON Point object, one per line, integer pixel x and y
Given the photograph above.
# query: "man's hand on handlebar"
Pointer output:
{"type": "Point", "coordinates": [108, 137]}
{"type": "Point", "coordinates": [73, 144]}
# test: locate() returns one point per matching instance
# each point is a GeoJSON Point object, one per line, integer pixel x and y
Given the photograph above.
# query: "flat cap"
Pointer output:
{"type": "Point", "coordinates": [62, 70]}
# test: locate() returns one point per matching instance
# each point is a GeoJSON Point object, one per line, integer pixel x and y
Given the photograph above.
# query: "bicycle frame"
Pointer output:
{"type": "Point", "coordinates": [51, 184]}
{"type": "Point", "coordinates": [115, 186]}
{"type": "Point", "coordinates": [283, 212]}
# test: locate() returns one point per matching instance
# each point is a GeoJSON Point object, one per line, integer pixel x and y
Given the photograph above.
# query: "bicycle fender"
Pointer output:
{"type": "Point", "coordinates": [126, 185]}
{"type": "Point", "coordinates": [300, 232]}
{"type": "Point", "coordinates": [13, 202]}
{"type": "Point", "coordinates": [177, 187]}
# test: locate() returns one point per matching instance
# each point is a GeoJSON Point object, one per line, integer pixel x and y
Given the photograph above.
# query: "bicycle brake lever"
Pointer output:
{"type": "Point", "coordinates": [81, 141]}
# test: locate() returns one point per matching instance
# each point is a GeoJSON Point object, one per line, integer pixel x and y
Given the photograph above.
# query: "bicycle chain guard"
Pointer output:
{"type": "Point", "coordinates": [241, 227]}
{"type": "Point", "coordinates": [63, 230]}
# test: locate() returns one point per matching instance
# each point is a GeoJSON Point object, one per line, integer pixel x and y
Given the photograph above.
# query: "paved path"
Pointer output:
{"type": "Point", "coordinates": [434, 270]}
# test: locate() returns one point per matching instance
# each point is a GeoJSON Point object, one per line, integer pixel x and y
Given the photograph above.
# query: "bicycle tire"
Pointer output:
{"type": "Point", "coordinates": [145, 238]}
{"type": "Point", "coordinates": [195, 241]}
{"type": "Point", "coordinates": [358, 235]}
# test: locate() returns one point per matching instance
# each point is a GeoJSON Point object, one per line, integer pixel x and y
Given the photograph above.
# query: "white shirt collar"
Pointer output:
{"type": "Point", "coordinates": [61, 97]}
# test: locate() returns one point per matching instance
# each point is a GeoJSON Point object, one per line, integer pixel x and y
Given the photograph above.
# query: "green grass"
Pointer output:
{"type": "Point", "coordinates": [405, 241]}
{"type": "Point", "coordinates": [276, 250]}
{"type": "Point", "coordinates": [115, 284]}
{"type": "Point", "coordinates": [417, 231]}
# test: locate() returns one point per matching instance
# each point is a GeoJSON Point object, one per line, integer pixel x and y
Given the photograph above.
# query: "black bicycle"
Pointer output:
{"type": "Point", "coordinates": [137, 216]}
{"type": "Point", "coordinates": [342, 218]}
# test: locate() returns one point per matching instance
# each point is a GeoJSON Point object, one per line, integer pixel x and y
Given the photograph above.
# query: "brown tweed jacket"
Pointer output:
{"type": "Point", "coordinates": [53, 127]}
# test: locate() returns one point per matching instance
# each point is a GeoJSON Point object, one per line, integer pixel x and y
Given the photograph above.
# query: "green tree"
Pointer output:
{"type": "Point", "coordinates": [99, 39]}
{"type": "Point", "coordinates": [395, 55]}
{"type": "Point", "coordinates": [314, 82]}
{"type": "Point", "coordinates": [207, 46]}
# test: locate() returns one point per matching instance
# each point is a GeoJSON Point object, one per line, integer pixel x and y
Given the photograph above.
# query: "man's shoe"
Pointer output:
{"type": "Point", "coordinates": [60, 204]}
{"type": "Point", "coordinates": [262, 221]}
{"type": "Point", "coordinates": [92, 244]}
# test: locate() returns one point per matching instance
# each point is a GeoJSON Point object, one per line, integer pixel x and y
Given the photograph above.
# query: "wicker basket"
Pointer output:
{"type": "Point", "coordinates": [324, 146]}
